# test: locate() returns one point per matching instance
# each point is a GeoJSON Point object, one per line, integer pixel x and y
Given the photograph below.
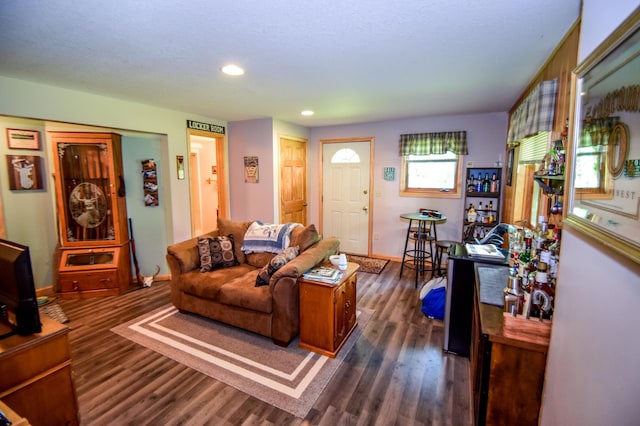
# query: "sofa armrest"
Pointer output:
{"type": "Point", "coordinates": [306, 260]}
{"type": "Point", "coordinates": [184, 256]}
{"type": "Point", "coordinates": [285, 323]}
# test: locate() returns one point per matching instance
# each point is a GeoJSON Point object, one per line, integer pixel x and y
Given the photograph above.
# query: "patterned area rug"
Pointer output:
{"type": "Point", "coordinates": [54, 311]}
{"type": "Point", "coordinates": [368, 264]}
{"type": "Point", "coordinates": [289, 378]}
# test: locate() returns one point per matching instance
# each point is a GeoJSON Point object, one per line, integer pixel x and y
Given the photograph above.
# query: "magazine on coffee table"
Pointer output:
{"type": "Point", "coordinates": [324, 274]}
{"type": "Point", "coordinates": [484, 251]}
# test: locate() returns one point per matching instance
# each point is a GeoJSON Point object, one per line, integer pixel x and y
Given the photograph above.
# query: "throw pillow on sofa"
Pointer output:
{"type": "Point", "coordinates": [216, 252]}
{"type": "Point", "coordinates": [278, 261]}
{"type": "Point", "coordinates": [237, 229]}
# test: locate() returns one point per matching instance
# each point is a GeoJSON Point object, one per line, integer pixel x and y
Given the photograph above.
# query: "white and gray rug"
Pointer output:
{"type": "Point", "coordinates": [289, 378]}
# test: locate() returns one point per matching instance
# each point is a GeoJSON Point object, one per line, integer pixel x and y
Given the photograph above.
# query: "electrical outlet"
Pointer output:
{"type": "Point", "coordinates": [376, 236]}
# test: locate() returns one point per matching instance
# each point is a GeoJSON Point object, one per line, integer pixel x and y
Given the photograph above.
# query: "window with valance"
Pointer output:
{"type": "Point", "coordinates": [434, 143]}
{"type": "Point", "coordinates": [535, 113]}
{"type": "Point", "coordinates": [431, 163]}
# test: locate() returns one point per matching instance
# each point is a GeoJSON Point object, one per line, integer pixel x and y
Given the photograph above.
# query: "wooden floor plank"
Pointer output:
{"type": "Point", "coordinates": [396, 374]}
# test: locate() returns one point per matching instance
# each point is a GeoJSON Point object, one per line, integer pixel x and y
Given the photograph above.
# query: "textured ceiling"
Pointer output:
{"type": "Point", "coordinates": [349, 61]}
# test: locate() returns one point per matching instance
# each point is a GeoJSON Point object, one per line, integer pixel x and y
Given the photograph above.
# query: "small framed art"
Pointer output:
{"type": "Point", "coordinates": [389, 173]}
{"type": "Point", "coordinates": [251, 169]}
{"type": "Point", "coordinates": [23, 139]}
{"type": "Point", "coordinates": [180, 166]}
{"type": "Point", "coordinates": [25, 172]}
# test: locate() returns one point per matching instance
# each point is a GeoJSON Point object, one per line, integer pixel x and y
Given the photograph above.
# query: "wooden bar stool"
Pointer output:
{"type": "Point", "coordinates": [442, 246]}
{"type": "Point", "coordinates": [422, 239]}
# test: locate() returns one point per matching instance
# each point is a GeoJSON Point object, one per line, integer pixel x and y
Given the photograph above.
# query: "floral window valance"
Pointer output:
{"type": "Point", "coordinates": [434, 143]}
{"type": "Point", "coordinates": [535, 112]}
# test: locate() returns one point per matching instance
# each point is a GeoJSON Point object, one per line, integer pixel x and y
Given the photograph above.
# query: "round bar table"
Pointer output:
{"type": "Point", "coordinates": [416, 257]}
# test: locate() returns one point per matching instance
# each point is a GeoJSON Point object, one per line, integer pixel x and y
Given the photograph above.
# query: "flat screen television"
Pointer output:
{"type": "Point", "coordinates": [18, 302]}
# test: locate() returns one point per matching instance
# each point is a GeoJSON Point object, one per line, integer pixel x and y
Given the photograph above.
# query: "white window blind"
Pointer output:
{"type": "Point", "coordinates": [534, 148]}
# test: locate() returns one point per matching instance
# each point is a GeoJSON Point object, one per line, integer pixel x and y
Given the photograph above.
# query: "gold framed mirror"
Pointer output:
{"type": "Point", "coordinates": [604, 177]}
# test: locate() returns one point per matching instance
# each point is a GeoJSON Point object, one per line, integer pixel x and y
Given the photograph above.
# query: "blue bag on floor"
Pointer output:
{"type": "Point", "coordinates": [433, 296]}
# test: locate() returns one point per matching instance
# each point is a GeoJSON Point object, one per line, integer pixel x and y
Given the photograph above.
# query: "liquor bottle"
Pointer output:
{"type": "Point", "coordinates": [471, 214]}
{"type": "Point", "coordinates": [495, 186]}
{"type": "Point", "coordinates": [480, 212]}
{"type": "Point", "coordinates": [478, 183]}
{"type": "Point", "coordinates": [513, 296]}
{"type": "Point", "coordinates": [552, 167]}
{"type": "Point", "coordinates": [481, 233]}
{"type": "Point", "coordinates": [471, 185]}
{"type": "Point", "coordinates": [486, 183]}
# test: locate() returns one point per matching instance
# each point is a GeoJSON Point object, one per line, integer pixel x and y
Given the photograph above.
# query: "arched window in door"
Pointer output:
{"type": "Point", "coordinates": [345, 155]}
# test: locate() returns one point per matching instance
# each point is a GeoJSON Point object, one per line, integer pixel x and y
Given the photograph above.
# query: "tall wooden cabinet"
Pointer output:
{"type": "Point", "coordinates": [328, 313]}
{"type": "Point", "coordinates": [93, 257]}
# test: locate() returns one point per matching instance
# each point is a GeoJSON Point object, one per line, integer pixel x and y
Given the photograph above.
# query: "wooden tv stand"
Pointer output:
{"type": "Point", "coordinates": [35, 375]}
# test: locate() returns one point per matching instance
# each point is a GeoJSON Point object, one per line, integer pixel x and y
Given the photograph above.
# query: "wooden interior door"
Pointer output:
{"type": "Point", "coordinates": [293, 180]}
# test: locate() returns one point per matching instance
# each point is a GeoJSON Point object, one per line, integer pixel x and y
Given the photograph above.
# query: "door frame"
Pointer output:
{"type": "Point", "coordinates": [366, 139]}
{"type": "Point", "coordinates": [222, 172]}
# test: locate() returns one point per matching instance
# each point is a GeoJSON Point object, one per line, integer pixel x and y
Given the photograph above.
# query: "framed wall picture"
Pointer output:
{"type": "Point", "coordinates": [25, 172]}
{"type": "Point", "coordinates": [180, 166]}
{"type": "Point", "coordinates": [251, 169]}
{"type": "Point", "coordinates": [510, 159]}
{"type": "Point", "coordinates": [150, 183]}
{"type": "Point", "coordinates": [389, 173]}
{"type": "Point", "coordinates": [23, 139]}
{"type": "Point", "coordinates": [603, 187]}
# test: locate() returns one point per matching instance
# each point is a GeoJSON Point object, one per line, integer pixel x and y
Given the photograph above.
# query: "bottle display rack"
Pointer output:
{"type": "Point", "coordinates": [482, 202]}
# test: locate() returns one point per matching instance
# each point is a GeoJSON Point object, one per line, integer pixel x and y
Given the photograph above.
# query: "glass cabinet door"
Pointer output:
{"type": "Point", "coordinates": [78, 260]}
{"type": "Point", "coordinates": [87, 191]}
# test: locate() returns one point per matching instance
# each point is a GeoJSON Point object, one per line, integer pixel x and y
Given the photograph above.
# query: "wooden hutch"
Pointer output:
{"type": "Point", "coordinates": [93, 258]}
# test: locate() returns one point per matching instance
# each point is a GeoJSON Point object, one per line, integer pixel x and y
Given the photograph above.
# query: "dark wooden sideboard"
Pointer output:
{"type": "Point", "coordinates": [507, 373]}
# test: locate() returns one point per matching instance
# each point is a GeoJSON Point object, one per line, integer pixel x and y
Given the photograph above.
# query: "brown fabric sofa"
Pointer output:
{"type": "Point", "coordinates": [230, 294]}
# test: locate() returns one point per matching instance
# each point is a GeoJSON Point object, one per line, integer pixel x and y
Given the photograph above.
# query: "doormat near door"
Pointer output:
{"type": "Point", "coordinates": [289, 378]}
{"type": "Point", "coordinates": [368, 264]}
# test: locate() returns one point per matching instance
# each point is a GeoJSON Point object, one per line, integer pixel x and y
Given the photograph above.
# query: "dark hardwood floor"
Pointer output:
{"type": "Point", "coordinates": [396, 374]}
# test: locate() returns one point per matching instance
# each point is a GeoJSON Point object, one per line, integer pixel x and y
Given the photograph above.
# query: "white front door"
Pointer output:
{"type": "Point", "coordinates": [346, 190]}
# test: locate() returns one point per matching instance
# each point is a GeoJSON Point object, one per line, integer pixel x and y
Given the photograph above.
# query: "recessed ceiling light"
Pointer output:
{"type": "Point", "coordinates": [307, 113]}
{"type": "Point", "coordinates": [232, 69]}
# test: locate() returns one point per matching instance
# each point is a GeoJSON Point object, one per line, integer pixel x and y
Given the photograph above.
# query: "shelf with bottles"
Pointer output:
{"type": "Point", "coordinates": [551, 184]}
{"type": "Point", "coordinates": [483, 181]}
{"type": "Point", "coordinates": [534, 260]}
{"type": "Point", "coordinates": [481, 214]}
{"type": "Point", "coordinates": [481, 201]}
{"type": "Point", "coordinates": [550, 174]}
